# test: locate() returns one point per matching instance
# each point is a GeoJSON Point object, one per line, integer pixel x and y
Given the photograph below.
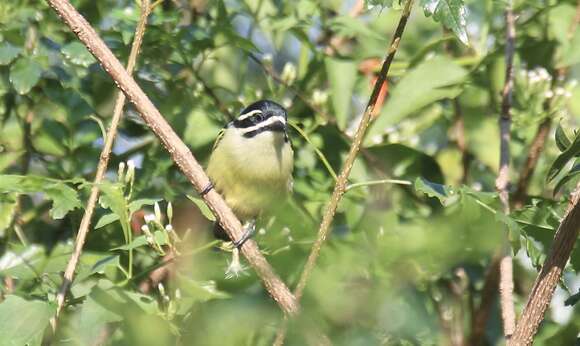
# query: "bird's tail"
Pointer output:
{"type": "Point", "coordinates": [220, 233]}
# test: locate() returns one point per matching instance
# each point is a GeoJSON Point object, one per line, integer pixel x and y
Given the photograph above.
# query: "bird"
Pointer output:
{"type": "Point", "coordinates": [251, 164]}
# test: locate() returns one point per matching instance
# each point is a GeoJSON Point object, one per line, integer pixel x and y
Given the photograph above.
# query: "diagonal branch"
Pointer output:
{"type": "Point", "coordinates": [101, 169]}
{"type": "Point", "coordinates": [506, 283]}
{"type": "Point", "coordinates": [342, 181]}
{"type": "Point", "coordinates": [179, 152]}
{"type": "Point", "coordinates": [549, 276]}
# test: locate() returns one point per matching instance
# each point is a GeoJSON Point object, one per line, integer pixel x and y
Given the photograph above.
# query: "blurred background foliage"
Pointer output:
{"type": "Point", "coordinates": [406, 261]}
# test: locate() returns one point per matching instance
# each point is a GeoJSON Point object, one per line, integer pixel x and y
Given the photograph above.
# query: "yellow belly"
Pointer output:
{"type": "Point", "coordinates": [253, 174]}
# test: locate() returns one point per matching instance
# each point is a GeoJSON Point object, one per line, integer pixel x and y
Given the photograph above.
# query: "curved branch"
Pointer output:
{"type": "Point", "coordinates": [341, 183]}
{"type": "Point", "coordinates": [549, 276]}
{"type": "Point", "coordinates": [101, 169]}
{"type": "Point", "coordinates": [179, 152]}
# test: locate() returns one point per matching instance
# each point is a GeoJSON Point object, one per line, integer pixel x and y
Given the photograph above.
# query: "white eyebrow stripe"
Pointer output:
{"type": "Point", "coordinates": [266, 122]}
{"type": "Point", "coordinates": [249, 114]}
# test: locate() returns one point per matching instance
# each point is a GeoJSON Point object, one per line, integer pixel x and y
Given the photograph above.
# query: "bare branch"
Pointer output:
{"type": "Point", "coordinates": [488, 294]}
{"type": "Point", "coordinates": [342, 181]}
{"type": "Point", "coordinates": [549, 276]}
{"type": "Point", "coordinates": [101, 169]}
{"type": "Point", "coordinates": [531, 161]}
{"type": "Point", "coordinates": [506, 285]}
{"type": "Point", "coordinates": [179, 152]}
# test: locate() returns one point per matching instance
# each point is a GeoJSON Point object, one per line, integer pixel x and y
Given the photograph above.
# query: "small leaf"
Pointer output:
{"type": "Point", "coordinates": [22, 322]}
{"type": "Point", "coordinates": [572, 151]}
{"type": "Point", "coordinates": [8, 53]}
{"type": "Point", "coordinates": [106, 219]}
{"type": "Point", "coordinates": [160, 238]}
{"type": "Point", "coordinates": [64, 198]}
{"type": "Point", "coordinates": [450, 13]}
{"type": "Point", "coordinates": [431, 189]}
{"type": "Point", "coordinates": [205, 211]}
{"type": "Point", "coordinates": [7, 210]}
{"type": "Point", "coordinates": [342, 77]}
{"type": "Point", "coordinates": [574, 172]}
{"type": "Point", "coordinates": [78, 54]}
{"type": "Point", "coordinates": [139, 203]}
{"type": "Point", "coordinates": [200, 291]}
{"type": "Point", "coordinates": [562, 140]}
{"type": "Point", "coordinates": [25, 74]}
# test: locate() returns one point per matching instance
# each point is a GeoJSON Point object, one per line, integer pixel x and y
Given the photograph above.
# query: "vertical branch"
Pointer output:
{"type": "Point", "coordinates": [179, 152]}
{"type": "Point", "coordinates": [506, 285]}
{"type": "Point", "coordinates": [101, 169]}
{"type": "Point", "coordinates": [341, 183]}
{"type": "Point", "coordinates": [549, 276]}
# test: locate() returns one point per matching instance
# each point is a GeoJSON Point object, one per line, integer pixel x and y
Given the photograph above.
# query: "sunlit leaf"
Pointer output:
{"type": "Point", "coordinates": [450, 13]}
{"type": "Point", "coordinates": [22, 322]}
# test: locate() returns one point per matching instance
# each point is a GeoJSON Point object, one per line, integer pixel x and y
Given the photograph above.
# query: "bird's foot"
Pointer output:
{"type": "Point", "coordinates": [249, 230]}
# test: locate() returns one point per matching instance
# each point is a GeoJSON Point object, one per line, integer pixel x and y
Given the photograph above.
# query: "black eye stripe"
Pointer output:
{"type": "Point", "coordinates": [251, 120]}
{"type": "Point", "coordinates": [275, 127]}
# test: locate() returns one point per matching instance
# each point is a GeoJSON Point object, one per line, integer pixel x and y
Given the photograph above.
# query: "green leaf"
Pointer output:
{"type": "Point", "coordinates": [8, 53]}
{"type": "Point", "coordinates": [352, 27]}
{"type": "Point", "coordinates": [441, 192]}
{"type": "Point", "coordinates": [78, 54]}
{"type": "Point", "coordinates": [64, 198]}
{"type": "Point", "coordinates": [160, 238]}
{"type": "Point", "coordinates": [342, 78]}
{"type": "Point", "coordinates": [113, 198]}
{"type": "Point", "coordinates": [25, 74]}
{"type": "Point", "coordinates": [562, 140]}
{"type": "Point", "coordinates": [572, 151]}
{"type": "Point", "coordinates": [139, 203]}
{"type": "Point", "coordinates": [200, 291]}
{"type": "Point", "coordinates": [205, 211]}
{"type": "Point", "coordinates": [22, 322]}
{"type": "Point", "coordinates": [7, 209]}
{"type": "Point", "coordinates": [450, 13]}
{"type": "Point", "coordinates": [106, 219]}
{"type": "Point", "coordinates": [574, 172]}
{"type": "Point", "coordinates": [432, 80]}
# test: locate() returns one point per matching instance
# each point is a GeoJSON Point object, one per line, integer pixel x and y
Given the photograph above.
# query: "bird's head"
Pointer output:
{"type": "Point", "coordinates": [262, 116]}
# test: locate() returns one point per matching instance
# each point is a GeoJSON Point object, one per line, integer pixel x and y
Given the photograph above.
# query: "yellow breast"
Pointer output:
{"type": "Point", "coordinates": [253, 174]}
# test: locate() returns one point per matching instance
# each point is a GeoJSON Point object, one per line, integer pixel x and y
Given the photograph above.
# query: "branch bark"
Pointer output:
{"type": "Point", "coordinates": [341, 183]}
{"type": "Point", "coordinates": [549, 276]}
{"type": "Point", "coordinates": [531, 162]}
{"type": "Point", "coordinates": [179, 152]}
{"type": "Point", "coordinates": [101, 169]}
{"type": "Point", "coordinates": [506, 285]}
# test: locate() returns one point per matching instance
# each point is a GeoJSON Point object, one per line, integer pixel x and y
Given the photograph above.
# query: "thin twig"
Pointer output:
{"type": "Point", "coordinates": [536, 148]}
{"type": "Point", "coordinates": [488, 294]}
{"type": "Point", "coordinates": [179, 152]}
{"type": "Point", "coordinates": [506, 285]}
{"type": "Point", "coordinates": [341, 184]}
{"type": "Point", "coordinates": [549, 276]}
{"type": "Point", "coordinates": [101, 169]}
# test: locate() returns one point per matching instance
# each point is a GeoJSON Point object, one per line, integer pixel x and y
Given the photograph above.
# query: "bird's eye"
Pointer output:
{"type": "Point", "coordinates": [259, 117]}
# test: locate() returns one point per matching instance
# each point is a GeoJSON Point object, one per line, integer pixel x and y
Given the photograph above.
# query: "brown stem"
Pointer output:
{"type": "Point", "coordinates": [502, 181]}
{"type": "Point", "coordinates": [488, 295]}
{"type": "Point", "coordinates": [179, 152]}
{"type": "Point", "coordinates": [101, 170]}
{"type": "Point", "coordinates": [549, 276]}
{"type": "Point", "coordinates": [342, 180]}
{"type": "Point", "coordinates": [536, 148]}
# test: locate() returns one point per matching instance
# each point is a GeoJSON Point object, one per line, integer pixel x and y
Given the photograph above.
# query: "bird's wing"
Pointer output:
{"type": "Point", "coordinates": [218, 138]}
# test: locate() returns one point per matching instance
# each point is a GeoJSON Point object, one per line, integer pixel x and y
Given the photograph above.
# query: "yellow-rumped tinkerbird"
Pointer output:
{"type": "Point", "coordinates": [251, 164]}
